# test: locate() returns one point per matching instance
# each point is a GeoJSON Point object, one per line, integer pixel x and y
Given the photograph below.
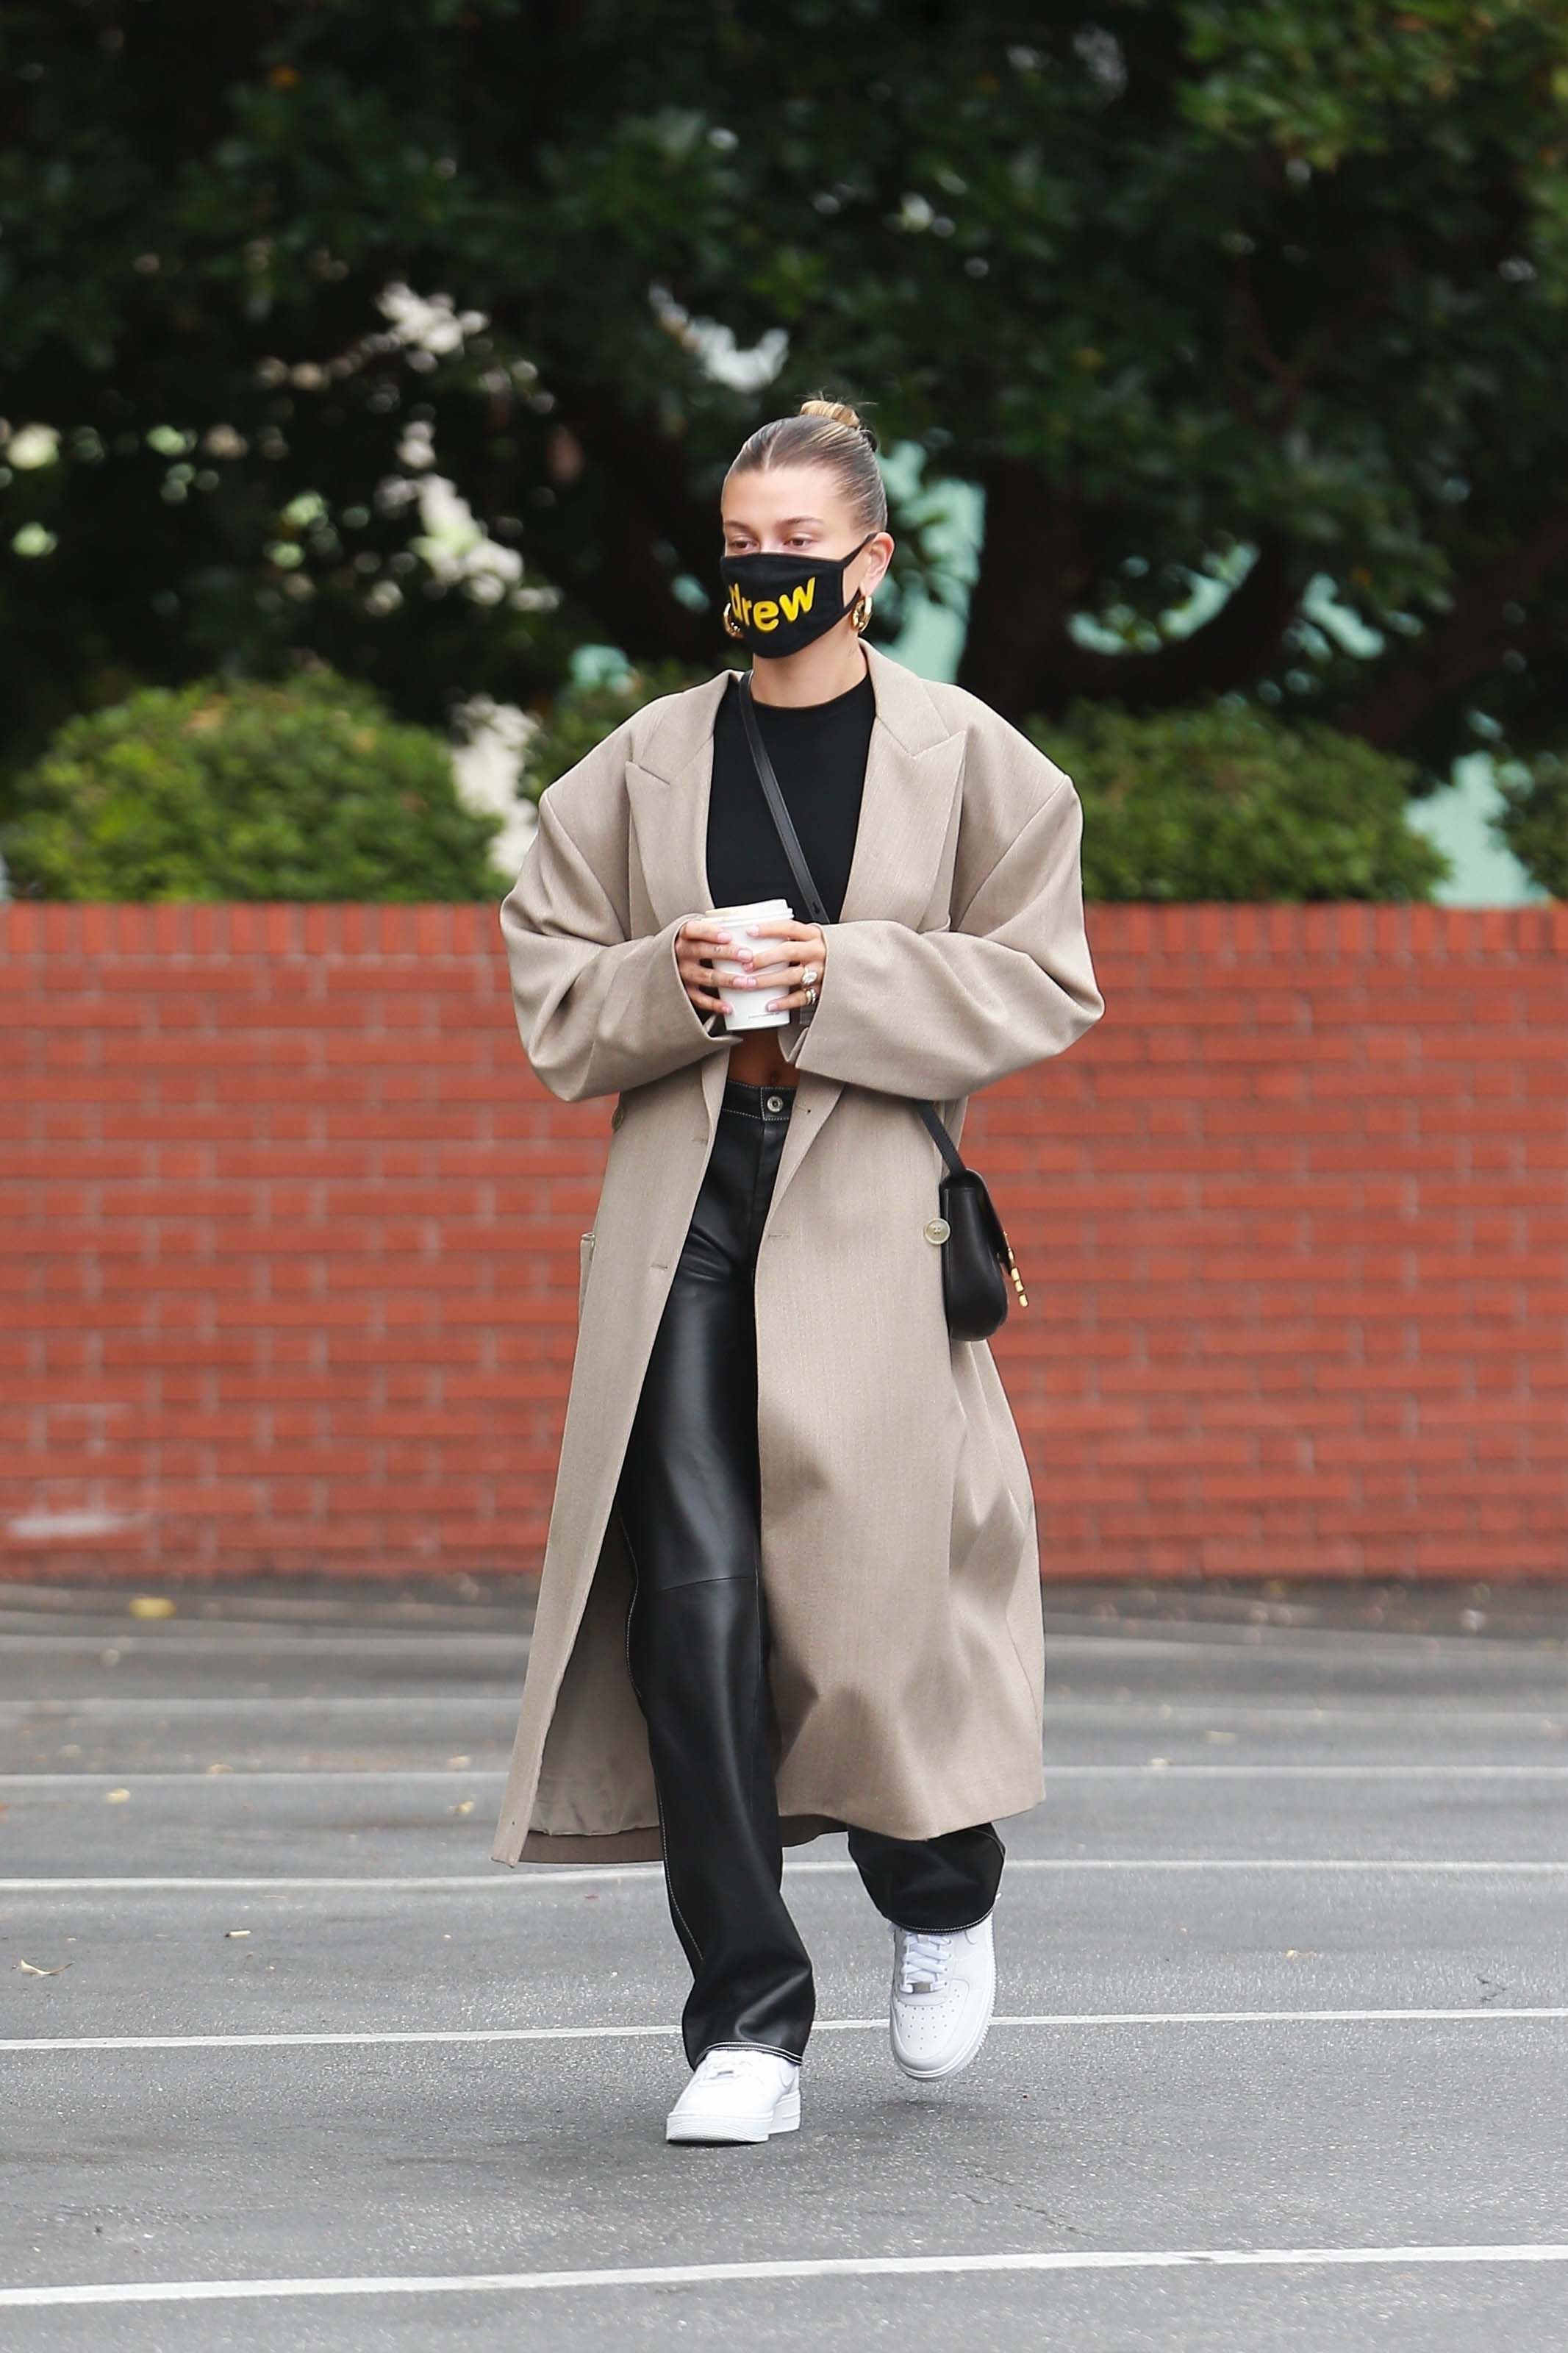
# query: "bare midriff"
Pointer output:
{"type": "Point", "coordinates": [754, 1059]}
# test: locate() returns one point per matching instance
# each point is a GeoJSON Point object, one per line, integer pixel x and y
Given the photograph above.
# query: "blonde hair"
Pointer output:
{"type": "Point", "coordinates": [828, 433]}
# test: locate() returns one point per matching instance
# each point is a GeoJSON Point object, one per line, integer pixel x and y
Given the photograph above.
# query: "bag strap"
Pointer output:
{"type": "Point", "coordinates": [809, 891]}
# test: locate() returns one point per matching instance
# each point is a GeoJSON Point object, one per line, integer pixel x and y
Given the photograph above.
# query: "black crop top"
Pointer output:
{"type": "Point", "coordinates": [818, 752]}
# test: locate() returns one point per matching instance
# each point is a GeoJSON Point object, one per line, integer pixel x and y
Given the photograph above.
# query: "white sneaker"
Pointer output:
{"type": "Point", "coordinates": [737, 2094]}
{"type": "Point", "coordinates": [944, 1990]}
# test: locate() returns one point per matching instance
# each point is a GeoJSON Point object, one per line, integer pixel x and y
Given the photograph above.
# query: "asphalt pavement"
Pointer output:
{"type": "Point", "coordinates": [1280, 2058]}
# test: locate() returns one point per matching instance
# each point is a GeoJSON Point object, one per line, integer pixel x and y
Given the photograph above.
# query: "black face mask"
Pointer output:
{"type": "Point", "coordinates": [780, 603]}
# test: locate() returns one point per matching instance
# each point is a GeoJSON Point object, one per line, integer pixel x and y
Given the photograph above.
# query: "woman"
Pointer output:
{"type": "Point", "coordinates": [791, 1581]}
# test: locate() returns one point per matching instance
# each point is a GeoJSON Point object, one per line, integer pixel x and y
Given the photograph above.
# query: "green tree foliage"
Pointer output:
{"type": "Point", "coordinates": [249, 791]}
{"type": "Point", "coordinates": [1249, 321]}
{"type": "Point", "coordinates": [1234, 803]}
{"type": "Point", "coordinates": [568, 727]}
{"type": "Point", "coordinates": [1534, 819]}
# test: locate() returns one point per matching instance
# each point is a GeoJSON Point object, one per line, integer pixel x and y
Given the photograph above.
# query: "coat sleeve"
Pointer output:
{"type": "Point", "coordinates": [941, 1013]}
{"type": "Point", "coordinates": [596, 1010]}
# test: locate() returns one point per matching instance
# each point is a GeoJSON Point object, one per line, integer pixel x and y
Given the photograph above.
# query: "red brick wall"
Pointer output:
{"type": "Point", "coordinates": [287, 1258]}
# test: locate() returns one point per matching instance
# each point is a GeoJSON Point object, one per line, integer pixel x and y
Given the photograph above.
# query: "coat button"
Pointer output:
{"type": "Point", "coordinates": [937, 1230]}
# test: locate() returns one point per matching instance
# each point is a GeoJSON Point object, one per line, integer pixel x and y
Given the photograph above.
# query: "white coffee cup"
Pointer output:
{"type": "Point", "coordinates": [751, 1005]}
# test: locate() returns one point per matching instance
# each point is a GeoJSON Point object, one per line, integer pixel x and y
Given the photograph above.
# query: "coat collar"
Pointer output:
{"type": "Point", "coordinates": [914, 767]}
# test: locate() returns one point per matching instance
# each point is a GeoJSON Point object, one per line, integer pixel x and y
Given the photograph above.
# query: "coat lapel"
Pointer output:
{"type": "Point", "coordinates": [914, 771]}
{"type": "Point", "coordinates": [669, 791]}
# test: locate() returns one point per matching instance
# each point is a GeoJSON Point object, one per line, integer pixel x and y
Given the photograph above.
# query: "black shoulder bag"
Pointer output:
{"type": "Point", "coordinates": [976, 1258]}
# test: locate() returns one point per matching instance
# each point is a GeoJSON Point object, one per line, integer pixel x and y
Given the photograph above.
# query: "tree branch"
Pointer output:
{"type": "Point", "coordinates": [1020, 655]}
{"type": "Point", "coordinates": [1469, 641]}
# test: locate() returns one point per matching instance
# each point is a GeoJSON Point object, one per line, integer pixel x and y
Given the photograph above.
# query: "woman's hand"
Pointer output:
{"type": "Point", "coordinates": [802, 945]}
{"type": "Point", "coordinates": [803, 948]}
{"type": "Point", "coordinates": [694, 946]}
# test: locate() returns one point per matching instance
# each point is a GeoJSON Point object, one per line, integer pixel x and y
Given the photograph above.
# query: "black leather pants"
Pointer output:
{"type": "Point", "coordinates": [688, 1500]}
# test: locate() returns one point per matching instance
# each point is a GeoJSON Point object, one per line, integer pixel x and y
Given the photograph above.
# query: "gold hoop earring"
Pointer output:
{"type": "Point", "coordinates": [861, 614]}
{"type": "Point", "coordinates": [731, 627]}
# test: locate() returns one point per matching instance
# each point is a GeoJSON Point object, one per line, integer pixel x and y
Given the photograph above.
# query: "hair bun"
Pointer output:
{"type": "Point", "coordinates": [840, 413]}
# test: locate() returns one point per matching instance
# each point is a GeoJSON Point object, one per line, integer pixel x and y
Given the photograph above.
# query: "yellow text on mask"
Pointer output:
{"type": "Point", "coordinates": [763, 612]}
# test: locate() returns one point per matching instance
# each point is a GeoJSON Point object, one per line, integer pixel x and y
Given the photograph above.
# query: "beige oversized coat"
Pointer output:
{"type": "Point", "coordinates": [899, 1545]}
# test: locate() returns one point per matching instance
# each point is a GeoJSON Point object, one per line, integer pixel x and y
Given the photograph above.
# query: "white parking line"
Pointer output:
{"type": "Point", "coordinates": [31, 1601]}
{"type": "Point", "coordinates": [598, 1874]}
{"type": "Point", "coordinates": [1073, 2259]}
{"type": "Point", "coordinates": [1158, 1768]}
{"type": "Point", "coordinates": [188, 1642]}
{"type": "Point", "coordinates": [322, 1706]}
{"type": "Point", "coordinates": [1056, 2019]}
{"type": "Point", "coordinates": [1534, 1716]}
{"type": "Point", "coordinates": [247, 1774]}
{"type": "Point", "coordinates": [1328, 1647]}
{"type": "Point", "coordinates": [1389, 1645]}
{"type": "Point", "coordinates": [1534, 1713]}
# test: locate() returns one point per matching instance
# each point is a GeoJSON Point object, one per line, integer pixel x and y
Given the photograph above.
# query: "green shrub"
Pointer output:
{"type": "Point", "coordinates": [1533, 819]}
{"type": "Point", "coordinates": [242, 790]}
{"type": "Point", "coordinates": [1209, 802]}
{"type": "Point", "coordinates": [581, 716]}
